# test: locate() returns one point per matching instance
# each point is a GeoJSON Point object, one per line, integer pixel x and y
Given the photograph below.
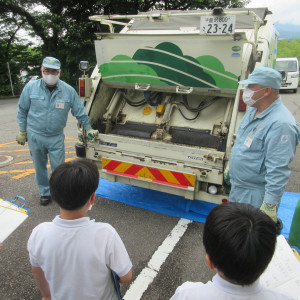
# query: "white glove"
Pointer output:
{"type": "Point", "coordinates": [91, 133]}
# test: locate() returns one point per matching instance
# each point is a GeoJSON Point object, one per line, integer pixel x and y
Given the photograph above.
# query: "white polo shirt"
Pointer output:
{"type": "Point", "coordinates": [221, 289]}
{"type": "Point", "coordinates": [77, 257]}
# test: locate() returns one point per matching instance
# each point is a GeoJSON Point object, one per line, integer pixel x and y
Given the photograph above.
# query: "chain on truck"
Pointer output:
{"type": "Point", "coordinates": [165, 98]}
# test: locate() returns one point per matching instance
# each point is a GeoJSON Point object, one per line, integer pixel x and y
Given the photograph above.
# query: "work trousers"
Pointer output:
{"type": "Point", "coordinates": [40, 147]}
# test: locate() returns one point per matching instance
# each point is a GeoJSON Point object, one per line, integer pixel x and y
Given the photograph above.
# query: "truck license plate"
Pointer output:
{"type": "Point", "coordinates": [217, 25]}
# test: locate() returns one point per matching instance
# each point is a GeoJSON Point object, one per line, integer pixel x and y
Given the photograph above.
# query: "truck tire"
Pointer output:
{"type": "Point", "coordinates": [295, 91]}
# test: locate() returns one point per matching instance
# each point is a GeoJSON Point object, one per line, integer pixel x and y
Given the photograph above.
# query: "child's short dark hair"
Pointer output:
{"type": "Point", "coordinates": [73, 183]}
{"type": "Point", "coordinates": [240, 241]}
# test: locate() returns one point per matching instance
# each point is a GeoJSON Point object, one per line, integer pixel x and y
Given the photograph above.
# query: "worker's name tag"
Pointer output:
{"type": "Point", "coordinates": [60, 105]}
{"type": "Point", "coordinates": [248, 141]}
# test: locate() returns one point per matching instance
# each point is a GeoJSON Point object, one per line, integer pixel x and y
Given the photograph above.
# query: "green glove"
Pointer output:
{"type": "Point", "coordinates": [21, 137]}
{"type": "Point", "coordinates": [270, 210]}
{"type": "Point", "coordinates": [91, 133]}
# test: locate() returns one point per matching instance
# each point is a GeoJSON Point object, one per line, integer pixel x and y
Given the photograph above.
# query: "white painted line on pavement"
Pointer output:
{"type": "Point", "coordinates": [145, 278]}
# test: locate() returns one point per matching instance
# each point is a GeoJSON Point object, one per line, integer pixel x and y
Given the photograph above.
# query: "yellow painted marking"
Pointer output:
{"type": "Point", "coordinates": [148, 174]}
{"type": "Point", "coordinates": [73, 145]}
{"type": "Point", "coordinates": [9, 144]}
{"type": "Point", "coordinates": [141, 172]}
{"type": "Point", "coordinates": [68, 138]}
{"type": "Point", "coordinates": [70, 158]}
{"type": "Point", "coordinates": [22, 150]}
{"type": "Point", "coordinates": [169, 176]}
{"type": "Point", "coordinates": [190, 178]}
{"type": "Point", "coordinates": [14, 171]}
{"type": "Point", "coordinates": [26, 172]}
{"type": "Point", "coordinates": [122, 167]}
{"type": "Point", "coordinates": [22, 163]}
{"type": "Point", "coordinates": [105, 161]}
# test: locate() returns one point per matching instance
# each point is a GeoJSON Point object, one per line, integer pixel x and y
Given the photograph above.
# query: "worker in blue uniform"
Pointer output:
{"type": "Point", "coordinates": [265, 144]}
{"type": "Point", "coordinates": [42, 115]}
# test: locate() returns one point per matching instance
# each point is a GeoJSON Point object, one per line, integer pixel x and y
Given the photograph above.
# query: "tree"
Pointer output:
{"type": "Point", "coordinates": [14, 53]}
{"type": "Point", "coordinates": [289, 48]}
{"type": "Point", "coordinates": [67, 33]}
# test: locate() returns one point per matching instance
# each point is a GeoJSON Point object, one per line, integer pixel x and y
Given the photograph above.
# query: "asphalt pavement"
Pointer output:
{"type": "Point", "coordinates": [141, 230]}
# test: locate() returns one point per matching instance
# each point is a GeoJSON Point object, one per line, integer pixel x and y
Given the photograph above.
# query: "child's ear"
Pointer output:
{"type": "Point", "coordinates": [209, 262]}
{"type": "Point", "coordinates": [92, 199]}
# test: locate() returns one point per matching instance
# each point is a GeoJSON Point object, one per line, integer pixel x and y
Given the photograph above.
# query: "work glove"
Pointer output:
{"type": "Point", "coordinates": [91, 133]}
{"type": "Point", "coordinates": [227, 175]}
{"type": "Point", "coordinates": [21, 137]}
{"type": "Point", "coordinates": [270, 210]}
{"type": "Point", "coordinates": [80, 135]}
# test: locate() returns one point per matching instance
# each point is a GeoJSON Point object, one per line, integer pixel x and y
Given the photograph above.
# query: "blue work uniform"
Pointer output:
{"type": "Point", "coordinates": [43, 114]}
{"type": "Point", "coordinates": [260, 158]}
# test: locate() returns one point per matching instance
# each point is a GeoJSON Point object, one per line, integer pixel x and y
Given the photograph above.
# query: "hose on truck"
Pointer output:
{"type": "Point", "coordinates": [149, 97]}
{"type": "Point", "coordinates": [197, 109]}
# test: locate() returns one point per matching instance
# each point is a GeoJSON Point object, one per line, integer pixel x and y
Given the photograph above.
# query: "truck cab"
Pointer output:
{"type": "Point", "coordinates": [289, 69]}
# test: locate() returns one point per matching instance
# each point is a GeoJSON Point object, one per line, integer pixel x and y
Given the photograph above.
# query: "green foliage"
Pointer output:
{"type": "Point", "coordinates": [65, 30]}
{"type": "Point", "coordinates": [288, 48]}
{"type": "Point", "coordinates": [18, 58]}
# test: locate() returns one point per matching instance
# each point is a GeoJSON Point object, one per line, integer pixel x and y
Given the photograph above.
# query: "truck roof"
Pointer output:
{"type": "Point", "coordinates": [178, 20]}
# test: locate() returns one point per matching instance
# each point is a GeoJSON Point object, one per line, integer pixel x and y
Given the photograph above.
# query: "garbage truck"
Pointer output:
{"type": "Point", "coordinates": [165, 98]}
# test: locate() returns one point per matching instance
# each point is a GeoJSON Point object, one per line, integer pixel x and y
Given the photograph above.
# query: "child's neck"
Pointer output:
{"type": "Point", "coordinates": [222, 275]}
{"type": "Point", "coordinates": [72, 214]}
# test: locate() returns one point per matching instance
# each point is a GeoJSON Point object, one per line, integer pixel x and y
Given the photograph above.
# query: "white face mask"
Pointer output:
{"type": "Point", "coordinates": [248, 94]}
{"type": "Point", "coordinates": [51, 79]}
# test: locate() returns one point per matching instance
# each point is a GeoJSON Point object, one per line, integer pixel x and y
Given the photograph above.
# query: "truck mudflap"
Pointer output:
{"type": "Point", "coordinates": [161, 176]}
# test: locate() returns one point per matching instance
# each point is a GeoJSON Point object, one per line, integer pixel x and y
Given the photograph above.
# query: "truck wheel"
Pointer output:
{"type": "Point", "coordinates": [295, 91]}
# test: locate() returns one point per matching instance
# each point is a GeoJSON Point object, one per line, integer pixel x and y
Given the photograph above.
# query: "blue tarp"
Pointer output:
{"type": "Point", "coordinates": [180, 207]}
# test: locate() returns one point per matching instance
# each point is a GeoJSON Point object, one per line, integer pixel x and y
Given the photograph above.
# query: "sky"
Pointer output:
{"type": "Point", "coordinates": [285, 12]}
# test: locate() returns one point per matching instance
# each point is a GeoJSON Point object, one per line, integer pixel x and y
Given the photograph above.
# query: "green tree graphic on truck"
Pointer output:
{"type": "Point", "coordinates": [167, 65]}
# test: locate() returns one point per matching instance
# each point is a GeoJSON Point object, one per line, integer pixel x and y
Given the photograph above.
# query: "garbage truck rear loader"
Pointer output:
{"type": "Point", "coordinates": [165, 96]}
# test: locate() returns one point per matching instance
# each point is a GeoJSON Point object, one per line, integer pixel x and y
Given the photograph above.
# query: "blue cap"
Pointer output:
{"type": "Point", "coordinates": [264, 76]}
{"type": "Point", "coordinates": [51, 62]}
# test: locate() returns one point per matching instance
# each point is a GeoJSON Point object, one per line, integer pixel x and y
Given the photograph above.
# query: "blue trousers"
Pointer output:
{"type": "Point", "coordinates": [40, 147]}
{"type": "Point", "coordinates": [254, 196]}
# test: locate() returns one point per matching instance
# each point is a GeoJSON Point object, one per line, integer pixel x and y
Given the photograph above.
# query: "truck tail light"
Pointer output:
{"type": "Point", "coordinates": [242, 105]}
{"type": "Point", "coordinates": [82, 87]}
